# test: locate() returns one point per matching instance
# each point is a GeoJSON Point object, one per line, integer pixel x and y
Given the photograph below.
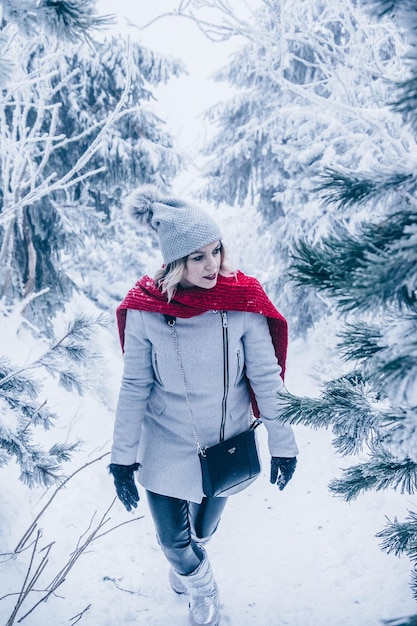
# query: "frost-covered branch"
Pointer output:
{"type": "Point", "coordinates": [359, 269]}
{"type": "Point", "coordinates": [400, 537]}
{"type": "Point", "coordinates": [71, 21]}
{"type": "Point", "coordinates": [19, 396]}
{"type": "Point", "coordinates": [41, 190]}
{"type": "Point", "coordinates": [345, 189]}
{"type": "Point", "coordinates": [381, 472]}
{"type": "Point", "coordinates": [71, 346]}
{"type": "Point", "coordinates": [225, 24]}
{"type": "Point", "coordinates": [346, 405]}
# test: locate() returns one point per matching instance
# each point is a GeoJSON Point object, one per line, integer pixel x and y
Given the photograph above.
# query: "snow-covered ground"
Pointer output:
{"type": "Point", "coordinates": [299, 557]}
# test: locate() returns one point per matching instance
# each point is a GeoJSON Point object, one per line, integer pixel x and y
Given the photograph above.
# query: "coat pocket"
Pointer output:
{"type": "Point", "coordinates": [239, 366]}
{"type": "Point", "coordinates": [155, 367]}
{"type": "Point", "coordinates": [156, 404]}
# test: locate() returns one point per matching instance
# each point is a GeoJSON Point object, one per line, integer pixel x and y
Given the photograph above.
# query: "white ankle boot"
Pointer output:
{"type": "Point", "coordinates": [176, 583]}
{"type": "Point", "coordinates": [204, 602]}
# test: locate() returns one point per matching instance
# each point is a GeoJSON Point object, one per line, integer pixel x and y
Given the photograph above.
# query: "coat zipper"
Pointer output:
{"type": "Point", "coordinates": [225, 372]}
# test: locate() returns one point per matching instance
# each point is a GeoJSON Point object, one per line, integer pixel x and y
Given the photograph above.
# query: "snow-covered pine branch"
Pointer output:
{"type": "Point", "coordinates": [22, 409]}
{"type": "Point", "coordinates": [345, 189]}
{"type": "Point", "coordinates": [400, 538]}
{"type": "Point", "coordinates": [381, 472]}
{"type": "Point", "coordinates": [366, 268]}
{"type": "Point", "coordinates": [70, 21]}
{"type": "Point", "coordinates": [346, 405]}
{"type": "Point", "coordinates": [366, 265]}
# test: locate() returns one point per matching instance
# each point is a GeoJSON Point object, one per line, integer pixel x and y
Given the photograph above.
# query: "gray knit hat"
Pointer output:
{"type": "Point", "coordinates": [181, 227]}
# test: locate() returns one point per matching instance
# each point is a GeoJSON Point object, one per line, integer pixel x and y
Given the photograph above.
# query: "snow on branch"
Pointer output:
{"type": "Point", "coordinates": [381, 472]}
{"type": "Point", "coordinates": [21, 410]}
{"type": "Point", "coordinates": [39, 190]}
{"type": "Point", "coordinates": [66, 20]}
{"type": "Point", "coordinates": [359, 270]}
{"type": "Point", "coordinates": [346, 405]}
{"type": "Point", "coordinates": [344, 189]}
{"type": "Point", "coordinates": [221, 24]}
{"type": "Point", "coordinates": [402, 11]}
{"type": "Point", "coordinates": [399, 537]}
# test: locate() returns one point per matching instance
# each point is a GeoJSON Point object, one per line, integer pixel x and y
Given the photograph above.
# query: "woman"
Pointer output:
{"type": "Point", "coordinates": [178, 385]}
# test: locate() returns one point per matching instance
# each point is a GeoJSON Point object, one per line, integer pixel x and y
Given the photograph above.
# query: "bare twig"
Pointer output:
{"type": "Point", "coordinates": [84, 542]}
{"type": "Point", "coordinates": [80, 549]}
{"type": "Point", "coordinates": [116, 584]}
{"type": "Point", "coordinates": [31, 528]}
{"type": "Point", "coordinates": [37, 604]}
{"type": "Point", "coordinates": [29, 583]}
{"type": "Point", "coordinates": [79, 616]}
{"type": "Point", "coordinates": [129, 521]}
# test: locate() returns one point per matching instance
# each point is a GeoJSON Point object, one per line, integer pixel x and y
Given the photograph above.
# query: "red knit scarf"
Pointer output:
{"type": "Point", "coordinates": [232, 293]}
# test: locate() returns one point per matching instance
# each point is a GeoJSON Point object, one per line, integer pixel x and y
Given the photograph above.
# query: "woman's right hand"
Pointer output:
{"type": "Point", "coordinates": [124, 481]}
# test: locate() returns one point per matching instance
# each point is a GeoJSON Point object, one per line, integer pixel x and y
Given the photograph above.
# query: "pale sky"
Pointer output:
{"type": "Point", "coordinates": [182, 101]}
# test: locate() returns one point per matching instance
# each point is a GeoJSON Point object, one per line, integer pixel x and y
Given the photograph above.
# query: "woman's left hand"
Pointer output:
{"type": "Point", "coordinates": [282, 470]}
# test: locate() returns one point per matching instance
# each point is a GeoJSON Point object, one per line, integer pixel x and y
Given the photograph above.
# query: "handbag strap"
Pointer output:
{"type": "Point", "coordinates": [170, 319]}
{"type": "Point", "coordinates": [171, 323]}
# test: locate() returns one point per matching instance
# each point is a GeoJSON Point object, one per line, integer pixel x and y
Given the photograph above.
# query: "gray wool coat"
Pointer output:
{"type": "Point", "coordinates": [153, 425]}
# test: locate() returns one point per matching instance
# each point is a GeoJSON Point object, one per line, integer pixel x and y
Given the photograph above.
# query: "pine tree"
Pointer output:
{"type": "Point", "coordinates": [309, 84]}
{"type": "Point", "coordinates": [27, 137]}
{"type": "Point", "coordinates": [136, 149]}
{"type": "Point", "coordinates": [77, 131]}
{"type": "Point", "coordinates": [368, 270]}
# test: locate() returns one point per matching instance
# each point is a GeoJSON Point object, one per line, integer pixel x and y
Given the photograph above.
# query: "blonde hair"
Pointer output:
{"type": "Point", "coordinates": [169, 277]}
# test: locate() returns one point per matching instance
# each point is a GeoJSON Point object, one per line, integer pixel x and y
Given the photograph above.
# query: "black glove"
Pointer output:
{"type": "Point", "coordinates": [125, 484]}
{"type": "Point", "coordinates": [282, 470]}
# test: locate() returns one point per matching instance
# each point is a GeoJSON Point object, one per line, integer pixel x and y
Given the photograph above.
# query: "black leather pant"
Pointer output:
{"type": "Point", "coordinates": [179, 524]}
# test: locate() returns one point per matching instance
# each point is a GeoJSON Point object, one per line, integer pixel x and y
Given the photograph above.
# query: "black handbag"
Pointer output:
{"type": "Point", "coordinates": [232, 462]}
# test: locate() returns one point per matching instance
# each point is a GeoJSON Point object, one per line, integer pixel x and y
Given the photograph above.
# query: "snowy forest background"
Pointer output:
{"type": "Point", "coordinates": [309, 164]}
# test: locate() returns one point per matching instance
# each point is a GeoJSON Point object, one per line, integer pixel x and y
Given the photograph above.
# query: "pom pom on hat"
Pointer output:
{"type": "Point", "coordinates": [181, 227]}
{"type": "Point", "coordinates": [139, 203]}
